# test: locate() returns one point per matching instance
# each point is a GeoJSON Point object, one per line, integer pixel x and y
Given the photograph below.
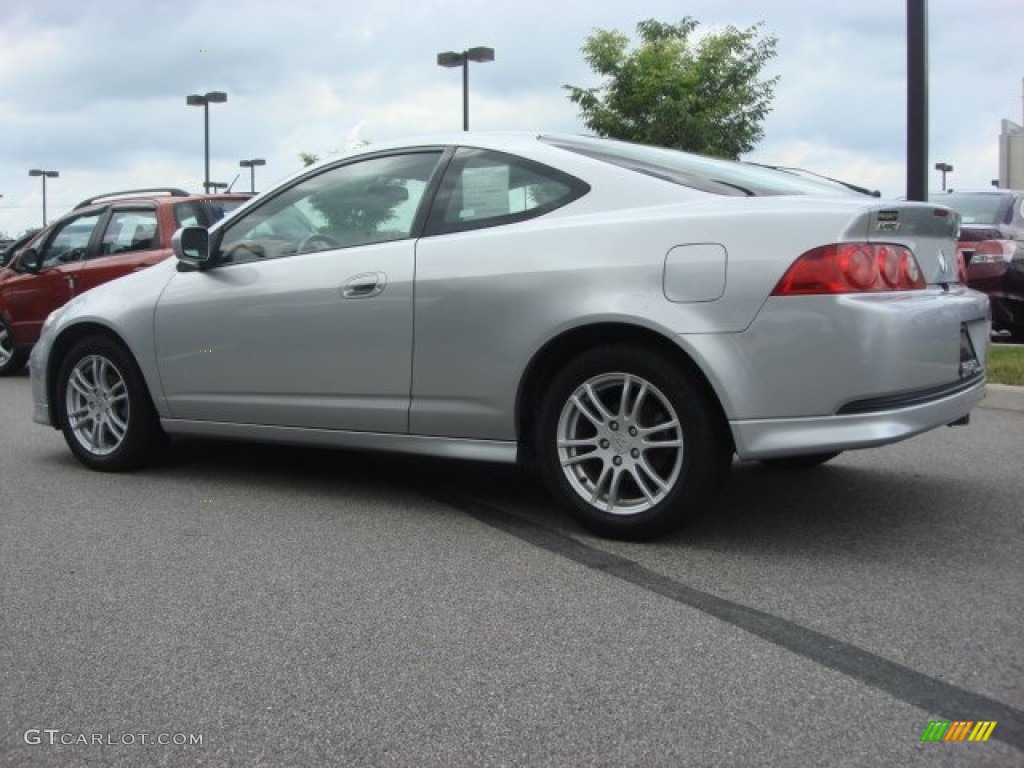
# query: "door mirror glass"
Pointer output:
{"type": "Point", "coordinates": [192, 245]}
{"type": "Point", "coordinates": [30, 260]}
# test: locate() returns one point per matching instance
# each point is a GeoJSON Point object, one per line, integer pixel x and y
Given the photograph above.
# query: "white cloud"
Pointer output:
{"type": "Point", "coordinates": [97, 90]}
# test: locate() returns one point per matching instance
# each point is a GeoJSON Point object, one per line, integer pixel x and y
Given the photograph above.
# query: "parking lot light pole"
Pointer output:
{"type": "Point", "coordinates": [204, 101]}
{"type": "Point", "coordinates": [251, 165]}
{"type": "Point", "coordinates": [452, 59]}
{"type": "Point", "coordinates": [44, 174]}
{"type": "Point", "coordinates": [943, 168]}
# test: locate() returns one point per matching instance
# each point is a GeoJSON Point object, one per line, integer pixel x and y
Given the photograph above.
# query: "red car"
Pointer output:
{"type": "Point", "coordinates": [992, 242]}
{"type": "Point", "coordinates": [103, 238]}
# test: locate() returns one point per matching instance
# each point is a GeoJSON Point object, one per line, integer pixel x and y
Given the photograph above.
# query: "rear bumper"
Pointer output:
{"type": "Point", "coordinates": [768, 438]}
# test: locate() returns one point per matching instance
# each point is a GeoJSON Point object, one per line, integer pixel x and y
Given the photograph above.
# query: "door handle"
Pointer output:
{"type": "Point", "coordinates": [364, 286]}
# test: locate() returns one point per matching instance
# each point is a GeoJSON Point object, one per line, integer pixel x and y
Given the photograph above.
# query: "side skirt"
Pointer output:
{"type": "Point", "coordinates": [502, 451]}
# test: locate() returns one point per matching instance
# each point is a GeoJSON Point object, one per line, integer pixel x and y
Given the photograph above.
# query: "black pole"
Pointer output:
{"type": "Point", "coordinates": [917, 99]}
{"type": "Point", "coordinates": [465, 91]}
{"type": "Point", "coordinates": [206, 146]}
{"type": "Point", "coordinates": [44, 198]}
{"type": "Point", "coordinates": [252, 178]}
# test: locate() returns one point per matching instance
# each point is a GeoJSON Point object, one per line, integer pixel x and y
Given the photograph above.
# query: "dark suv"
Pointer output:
{"type": "Point", "coordinates": [103, 238]}
{"type": "Point", "coordinates": [992, 242]}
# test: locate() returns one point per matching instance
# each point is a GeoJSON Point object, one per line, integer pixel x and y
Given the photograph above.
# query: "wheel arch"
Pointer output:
{"type": "Point", "coordinates": [571, 343]}
{"type": "Point", "coordinates": [65, 342]}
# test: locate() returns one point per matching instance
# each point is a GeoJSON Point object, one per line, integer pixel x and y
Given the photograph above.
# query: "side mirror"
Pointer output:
{"type": "Point", "coordinates": [192, 246]}
{"type": "Point", "coordinates": [30, 260]}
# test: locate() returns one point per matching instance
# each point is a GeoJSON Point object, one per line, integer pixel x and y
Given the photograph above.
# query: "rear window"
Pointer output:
{"type": "Point", "coordinates": [203, 213]}
{"type": "Point", "coordinates": [708, 174]}
{"type": "Point", "coordinates": [982, 209]}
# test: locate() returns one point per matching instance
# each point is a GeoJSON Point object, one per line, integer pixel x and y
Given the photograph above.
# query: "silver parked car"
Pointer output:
{"type": "Point", "coordinates": [627, 317]}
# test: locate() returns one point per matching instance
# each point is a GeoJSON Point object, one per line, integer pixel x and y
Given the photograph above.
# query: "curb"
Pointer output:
{"type": "Point", "coordinates": [1003, 397]}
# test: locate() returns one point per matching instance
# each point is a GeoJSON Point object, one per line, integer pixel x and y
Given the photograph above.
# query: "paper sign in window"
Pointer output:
{"type": "Point", "coordinates": [485, 192]}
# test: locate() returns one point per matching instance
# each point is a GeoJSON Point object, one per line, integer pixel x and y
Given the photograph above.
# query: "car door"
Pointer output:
{"type": "Point", "coordinates": [306, 319]}
{"type": "Point", "coordinates": [130, 242]}
{"type": "Point", "coordinates": [29, 297]}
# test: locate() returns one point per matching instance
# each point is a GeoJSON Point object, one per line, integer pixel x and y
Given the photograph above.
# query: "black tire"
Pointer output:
{"type": "Point", "coordinates": [12, 359]}
{"type": "Point", "coordinates": [800, 462]}
{"type": "Point", "coordinates": [117, 428]}
{"type": "Point", "coordinates": [644, 486]}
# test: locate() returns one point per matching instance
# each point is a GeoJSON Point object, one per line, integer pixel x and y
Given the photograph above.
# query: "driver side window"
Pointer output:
{"type": "Point", "coordinates": [71, 242]}
{"type": "Point", "coordinates": [364, 202]}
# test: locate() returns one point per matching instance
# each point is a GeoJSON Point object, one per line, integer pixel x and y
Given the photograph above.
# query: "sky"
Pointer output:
{"type": "Point", "coordinates": [96, 90]}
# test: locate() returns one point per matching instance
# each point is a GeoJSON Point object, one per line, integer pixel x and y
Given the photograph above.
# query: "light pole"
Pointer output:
{"type": "Point", "coordinates": [44, 174]}
{"type": "Point", "coordinates": [453, 59]}
{"type": "Point", "coordinates": [251, 165]}
{"type": "Point", "coordinates": [204, 101]}
{"type": "Point", "coordinates": [943, 168]}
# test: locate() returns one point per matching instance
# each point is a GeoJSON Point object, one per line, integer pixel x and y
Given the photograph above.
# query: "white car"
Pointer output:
{"type": "Point", "coordinates": [628, 317]}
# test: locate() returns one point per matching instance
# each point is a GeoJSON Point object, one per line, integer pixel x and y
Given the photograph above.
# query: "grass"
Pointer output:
{"type": "Point", "coordinates": [1006, 365]}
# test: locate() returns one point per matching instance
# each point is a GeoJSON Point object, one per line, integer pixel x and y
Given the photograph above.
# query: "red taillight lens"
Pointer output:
{"type": "Point", "coordinates": [852, 268]}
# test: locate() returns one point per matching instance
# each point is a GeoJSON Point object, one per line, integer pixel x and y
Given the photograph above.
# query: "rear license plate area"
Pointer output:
{"type": "Point", "coordinates": [969, 364]}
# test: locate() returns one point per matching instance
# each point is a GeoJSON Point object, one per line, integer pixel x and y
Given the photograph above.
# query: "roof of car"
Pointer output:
{"type": "Point", "coordinates": [158, 193]}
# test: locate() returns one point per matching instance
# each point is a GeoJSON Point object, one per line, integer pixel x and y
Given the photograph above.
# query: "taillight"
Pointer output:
{"type": "Point", "coordinates": [961, 267]}
{"type": "Point", "coordinates": [852, 268]}
{"type": "Point", "coordinates": [993, 251]}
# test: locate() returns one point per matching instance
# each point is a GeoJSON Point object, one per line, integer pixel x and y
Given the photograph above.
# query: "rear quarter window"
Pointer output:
{"type": "Point", "coordinates": [483, 188]}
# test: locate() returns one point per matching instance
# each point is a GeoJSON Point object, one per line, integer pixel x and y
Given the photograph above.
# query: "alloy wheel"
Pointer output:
{"type": "Point", "coordinates": [97, 405]}
{"type": "Point", "coordinates": [620, 443]}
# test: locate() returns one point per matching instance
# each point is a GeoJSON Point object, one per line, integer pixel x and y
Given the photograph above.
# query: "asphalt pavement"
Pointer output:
{"type": "Point", "coordinates": [294, 607]}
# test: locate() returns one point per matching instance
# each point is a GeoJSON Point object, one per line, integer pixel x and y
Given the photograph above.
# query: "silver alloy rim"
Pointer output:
{"type": "Point", "coordinates": [97, 405]}
{"type": "Point", "coordinates": [620, 443]}
{"type": "Point", "coordinates": [6, 344]}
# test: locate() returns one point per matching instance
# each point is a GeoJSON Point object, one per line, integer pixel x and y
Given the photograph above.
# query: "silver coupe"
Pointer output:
{"type": "Point", "coordinates": [627, 318]}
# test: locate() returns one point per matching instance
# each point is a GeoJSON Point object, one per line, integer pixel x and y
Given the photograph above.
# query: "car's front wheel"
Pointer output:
{"type": "Point", "coordinates": [631, 444]}
{"type": "Point", "coordinates": [104, 409]}
{"type": "Point", "coordinates": [12, 359]}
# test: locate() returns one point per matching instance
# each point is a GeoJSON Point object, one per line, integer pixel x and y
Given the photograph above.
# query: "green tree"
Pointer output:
{"type": "Point", "coordinates": [700, 95]}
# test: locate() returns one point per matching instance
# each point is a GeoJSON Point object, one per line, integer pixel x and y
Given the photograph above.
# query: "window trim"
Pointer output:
{"type": "Point", "coordinates": [436, 225]}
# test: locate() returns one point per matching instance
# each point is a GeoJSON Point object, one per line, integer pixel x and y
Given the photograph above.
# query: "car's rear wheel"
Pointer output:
{"type": "Point", "coordinates": [104, 409]}
{"type": "Point", "coordinates": [629, 443]}
{"type": "Point", "coordinates": [800, 462]}
{"type": "Point", "coordinates": [12, 359]}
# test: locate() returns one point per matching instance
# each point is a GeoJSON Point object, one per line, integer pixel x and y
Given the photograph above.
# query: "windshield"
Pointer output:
{"type": "Point", "coordinates": [973, 209]}
{"type": "Point", "coordinates": [709, 174]}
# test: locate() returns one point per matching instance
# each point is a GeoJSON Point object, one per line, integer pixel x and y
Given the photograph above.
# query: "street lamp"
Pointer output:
{"type": "Point", "coordinates": [453, 59]}
{"type": "Point", "coordinates": [44, 174]}
{"type": "Point", "coordinates": [944, 168]}
{"type": "Point", "coordinates": [204, 101]}
{"type": "Point", "coordinates": [251, 165]}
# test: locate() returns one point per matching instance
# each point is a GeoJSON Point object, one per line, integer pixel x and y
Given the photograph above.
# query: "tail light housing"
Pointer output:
{"type": "Point", "coordinates": [852, 268]}
{"type": "Point", "coordinates": [961, 266]}
{"type": "Point", "coordinates": [994, 251]}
